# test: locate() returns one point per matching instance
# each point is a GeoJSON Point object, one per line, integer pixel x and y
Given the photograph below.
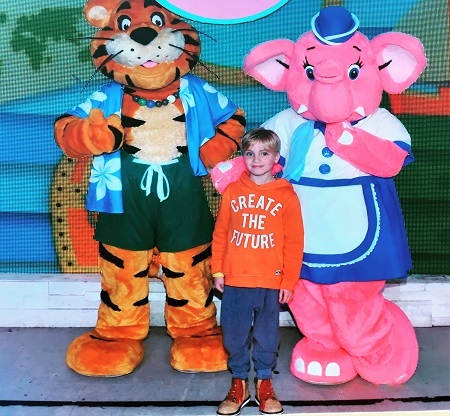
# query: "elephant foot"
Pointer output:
{"type": "Point", "coordinates": [92, 355]}
{"type": "Point", "coordinates": [397, 362]}
{"type": "Point", "coordinates": [204, 354]}
{"type": "Point", "coordinates": [315, 364]}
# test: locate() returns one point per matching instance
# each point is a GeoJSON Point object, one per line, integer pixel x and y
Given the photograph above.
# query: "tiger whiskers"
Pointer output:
{"type": "Point", "coordinates": [195, 58]}
{"type": "Point", "coordinates": [94, 38]}
{"type": "Point", "coordinates": [100, 67]}
{"type": "Point", "coordinates": [194, 30]}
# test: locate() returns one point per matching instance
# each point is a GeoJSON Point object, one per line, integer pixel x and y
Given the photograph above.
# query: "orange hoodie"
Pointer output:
{"type": "Point", "coordinates": [258, 238]}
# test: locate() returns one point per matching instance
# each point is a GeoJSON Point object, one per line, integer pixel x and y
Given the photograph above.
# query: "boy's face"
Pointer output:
{"type": "Point", "coordinates": [259, 160]}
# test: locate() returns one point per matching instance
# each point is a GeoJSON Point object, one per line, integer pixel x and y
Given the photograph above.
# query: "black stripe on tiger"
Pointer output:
{"type": "Point", "coordinates": [177, 303]}
{"type": "Point", "coordinates": [118, 137]}
{"type": "Point", "coordinates": [141, 302]}
{"type": "Point", "coordinates": [181, 118]}
{"type": "Point", "coordinates": [189, 40]}
{"type": "Point", "coordinates": [171, 274]}
{"type": "Point", "coordinates": [210, 298]}
{"type": "Point", "coordinates": [143, 273]}
{"type": "Point", "coordinates": [109, 257]}
{"type": "Point", "coordinates": [239, 118]}
{"type": "Point", "coordinates": [201, 256]}
{"type": "Point", "coordinates": [131, 150]}
{"type": "Point", "coordinates": [129, 81]}
{"type": "Point", "coordinates": [228, 137]}
{"type": "Point", "coordinates": [131, 121]}
{"type": "Point", "coordinates": [104, 296]}
{"type": "Point", "coordinates": [107, 74]}
{"type": "Point", "coordinates": [148, 3]}
{"type": "Point", "coordinates": [124, 6]}
{"type": "Point", "coordinates": [100, 51]}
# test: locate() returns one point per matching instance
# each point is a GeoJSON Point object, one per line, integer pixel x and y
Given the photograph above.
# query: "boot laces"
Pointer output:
{"type": "Point", "coordinates": [266, 391]}
{"type": "Point", "coordinates": [236, 392]}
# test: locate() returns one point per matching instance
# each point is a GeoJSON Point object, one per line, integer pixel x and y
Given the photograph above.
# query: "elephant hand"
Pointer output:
{"type": "Point", "coordinates": [339, 134]}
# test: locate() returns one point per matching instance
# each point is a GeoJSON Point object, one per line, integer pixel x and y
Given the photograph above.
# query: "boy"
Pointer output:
{"type": "Point", "coordinates": [256, 260]}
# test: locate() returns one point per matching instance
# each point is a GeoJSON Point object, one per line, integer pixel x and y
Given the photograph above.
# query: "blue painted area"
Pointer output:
{"type": "Point", "coordinates": [25, 242]}
{"type": "Point", "coordinates": [27, 138]}
{"type": "Point", "coordinates": [28, 187]}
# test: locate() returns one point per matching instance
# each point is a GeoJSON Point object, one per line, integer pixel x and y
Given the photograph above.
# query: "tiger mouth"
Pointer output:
{"type": "Point", "coordinates": [149, 64]}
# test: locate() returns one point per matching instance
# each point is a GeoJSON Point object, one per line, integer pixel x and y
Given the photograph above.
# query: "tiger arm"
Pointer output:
{"type": "Point", "coordinates": [226, 141]}
{"type": "Point", "coordinates": [93, 135]}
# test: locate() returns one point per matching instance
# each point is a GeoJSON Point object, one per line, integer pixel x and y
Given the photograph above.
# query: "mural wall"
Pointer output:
{"type": "Point", "coordinates": [45, 69]}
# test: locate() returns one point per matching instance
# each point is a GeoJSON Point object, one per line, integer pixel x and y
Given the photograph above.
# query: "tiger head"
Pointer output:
{"type": "Point", "coordinates": [140, 43]}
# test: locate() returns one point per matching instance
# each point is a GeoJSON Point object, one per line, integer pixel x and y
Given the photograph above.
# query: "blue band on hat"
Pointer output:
{"type": "Point", "coordinates": [334, 25]}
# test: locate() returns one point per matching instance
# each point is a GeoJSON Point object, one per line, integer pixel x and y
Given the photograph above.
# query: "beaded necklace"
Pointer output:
{"type": "Point", "coordinates": [155, 103]}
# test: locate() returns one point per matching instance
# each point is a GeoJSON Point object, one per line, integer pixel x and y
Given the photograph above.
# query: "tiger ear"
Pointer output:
{"type": "Point", "coordinates": [98, 12]}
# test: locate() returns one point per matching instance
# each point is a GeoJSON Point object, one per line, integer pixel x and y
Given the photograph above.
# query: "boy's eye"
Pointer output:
{"type": "Point", "coordinates": [248, 154]}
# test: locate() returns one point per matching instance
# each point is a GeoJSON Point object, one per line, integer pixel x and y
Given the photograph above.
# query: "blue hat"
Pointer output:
{"type": "Point", "coordinates": [334, 25]}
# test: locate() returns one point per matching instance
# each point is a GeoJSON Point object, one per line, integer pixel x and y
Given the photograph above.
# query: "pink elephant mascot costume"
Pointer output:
{"type": "Point", "coordinates": [340, 152]}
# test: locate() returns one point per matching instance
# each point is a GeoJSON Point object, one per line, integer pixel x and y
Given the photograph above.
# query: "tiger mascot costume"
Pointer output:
{"type": "Point", "coordinates": [154, 130]}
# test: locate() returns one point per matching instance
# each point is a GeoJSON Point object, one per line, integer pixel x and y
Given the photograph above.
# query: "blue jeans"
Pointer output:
{"type": "Point", "coordinates": [241, 309]}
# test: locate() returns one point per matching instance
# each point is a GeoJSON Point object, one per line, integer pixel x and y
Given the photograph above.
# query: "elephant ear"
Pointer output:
{"type": "Point", "coordinates": [268, 63]}
{"type": "Point", "coordinates": [400, 59]}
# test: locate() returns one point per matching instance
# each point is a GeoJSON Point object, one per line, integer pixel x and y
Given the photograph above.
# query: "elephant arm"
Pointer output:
{"type": "Point", "coordinates": [364, 150]}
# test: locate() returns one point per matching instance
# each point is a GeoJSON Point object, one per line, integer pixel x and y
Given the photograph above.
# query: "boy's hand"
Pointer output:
{"type": "Point", "coordinates": [285, 295]}
{"type": "Point", "coordinates": [219, 283]}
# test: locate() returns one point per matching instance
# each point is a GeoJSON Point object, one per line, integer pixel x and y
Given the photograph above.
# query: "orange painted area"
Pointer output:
{"type": "Point", "coordinates": [79, 169]}
{"type": "Point", "coordinates": [422, 104]}
{"type": "Point", "coordinates": [85, 248]}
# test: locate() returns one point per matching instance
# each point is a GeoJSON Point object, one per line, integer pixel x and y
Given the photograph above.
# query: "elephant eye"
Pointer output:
{"type": "Point", "coordinates": [353, 71]}
{"type": "Point", "coordinates": [309, 70]}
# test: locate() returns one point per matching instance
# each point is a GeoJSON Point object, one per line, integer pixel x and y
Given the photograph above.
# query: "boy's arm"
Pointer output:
{"type": "Point", "coordinates": [293, 243]}
{"type": "Point", "coordinates": [285, 295]}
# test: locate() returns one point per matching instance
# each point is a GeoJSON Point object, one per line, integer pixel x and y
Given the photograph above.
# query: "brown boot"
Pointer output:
{"type": "Point", "coordinates": [238, 396]}
{"type": "Point", "coordinates": [266, 398]}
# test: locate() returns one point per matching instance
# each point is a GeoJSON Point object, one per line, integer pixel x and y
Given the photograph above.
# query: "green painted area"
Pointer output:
{"type": "Point", "coordinates": [424, 191]}
{"type": "Point", "coordinates": [33, 33]}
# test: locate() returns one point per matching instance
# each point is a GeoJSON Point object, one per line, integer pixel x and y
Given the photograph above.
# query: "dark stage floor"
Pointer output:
{"type": "Point", "coordinates": [34, 381]}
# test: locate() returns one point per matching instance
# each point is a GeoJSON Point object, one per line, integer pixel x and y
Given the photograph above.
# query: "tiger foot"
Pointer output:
{"type": "Point", "coordinates": [92, 355]}
{"type": "Point", "coordinates": [315, 364]}
{"type": "Point", "coordinates": [198, 354]}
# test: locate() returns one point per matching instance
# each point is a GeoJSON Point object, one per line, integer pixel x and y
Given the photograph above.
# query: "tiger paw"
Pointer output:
{"type": "Point", "coordinates": [315, 364]}
{"type": "Point", "coordinates": [92, 355]}
{"type": "Point", "coordinates": [198, 354]}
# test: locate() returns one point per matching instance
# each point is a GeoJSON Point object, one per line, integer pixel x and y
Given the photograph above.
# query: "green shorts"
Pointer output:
{"type": "Point", "coordinates": [180, 222]}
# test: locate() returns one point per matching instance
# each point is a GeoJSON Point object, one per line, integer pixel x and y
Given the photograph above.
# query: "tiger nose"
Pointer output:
{"type": "Point", "coordinates": [143, 35]}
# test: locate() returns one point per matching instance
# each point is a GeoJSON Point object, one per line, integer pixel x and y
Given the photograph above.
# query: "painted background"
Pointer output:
{"type": "Point", "coordinates": [44, 67]}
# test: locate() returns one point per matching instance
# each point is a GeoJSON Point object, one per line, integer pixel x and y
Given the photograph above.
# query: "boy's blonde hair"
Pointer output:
{"type": "Point", "coordinates": [261, 135]}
